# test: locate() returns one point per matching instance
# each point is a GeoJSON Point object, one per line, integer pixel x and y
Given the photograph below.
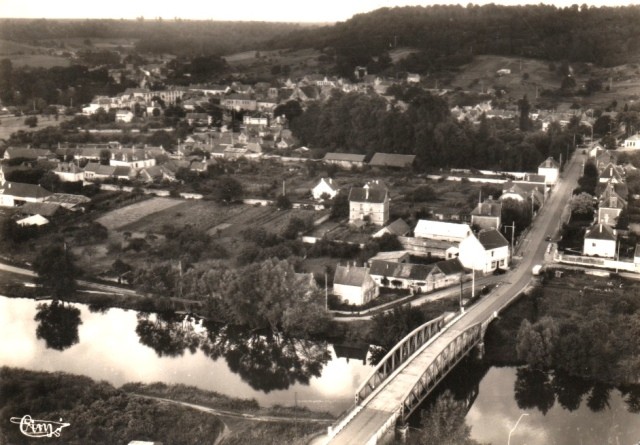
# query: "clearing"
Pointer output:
{"type": "Point", "coordinates": [11, 124]}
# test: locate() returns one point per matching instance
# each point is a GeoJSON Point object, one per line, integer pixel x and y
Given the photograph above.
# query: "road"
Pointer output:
{"type": "Point", "coordinates": [383, 403]}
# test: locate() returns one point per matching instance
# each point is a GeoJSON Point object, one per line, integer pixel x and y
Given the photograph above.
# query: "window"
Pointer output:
{"type": "Point", "coordinates": [493, 264]}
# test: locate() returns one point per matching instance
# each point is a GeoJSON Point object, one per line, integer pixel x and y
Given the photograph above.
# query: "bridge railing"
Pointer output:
{"type": "Point", "coordinates": [440, 367]}
{"type": "Point", "coordinates": [398, 355]}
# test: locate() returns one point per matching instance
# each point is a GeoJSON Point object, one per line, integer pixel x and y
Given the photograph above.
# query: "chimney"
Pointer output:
{"type": "Point", "coordinates": [366, 196]}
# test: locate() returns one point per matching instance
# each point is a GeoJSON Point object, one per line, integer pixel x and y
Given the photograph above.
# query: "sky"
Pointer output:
{"type": "Point", "coordinates": [246, 10]}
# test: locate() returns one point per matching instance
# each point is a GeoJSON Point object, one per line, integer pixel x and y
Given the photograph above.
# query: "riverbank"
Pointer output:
{"type": "Point", "coordinates": [176, 414]}
{"type": "Point", "coordinates": [587, 327]}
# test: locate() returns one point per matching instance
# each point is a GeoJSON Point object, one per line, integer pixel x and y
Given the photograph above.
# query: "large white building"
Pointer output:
{"type": "Point", "coordinates": [441, 231]}
{"type": "Point", "coordinates": [550, 169]}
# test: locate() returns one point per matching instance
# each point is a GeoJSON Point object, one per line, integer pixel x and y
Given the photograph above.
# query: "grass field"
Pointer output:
{"type": "Point", "coordinates": [11, 124]}
{"type": "Point", "coordinates": [129, 215]}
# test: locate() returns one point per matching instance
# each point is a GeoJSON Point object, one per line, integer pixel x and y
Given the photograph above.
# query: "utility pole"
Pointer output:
{"type": "Point", "coordinates": [326, 293]}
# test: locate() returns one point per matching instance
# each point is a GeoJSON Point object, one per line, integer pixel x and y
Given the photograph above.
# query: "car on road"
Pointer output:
{"type": "Point", "coordinates": [547, 238]}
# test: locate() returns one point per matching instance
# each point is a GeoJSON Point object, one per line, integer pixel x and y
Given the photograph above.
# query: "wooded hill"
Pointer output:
{"type": "Point", "coordinates": [180, 37]}
{"type": "Point", "coordinates": [451, 35]}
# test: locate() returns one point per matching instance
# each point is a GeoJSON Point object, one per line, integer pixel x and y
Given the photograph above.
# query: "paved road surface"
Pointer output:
{"type": "Point", "coordinates": [386, 400]}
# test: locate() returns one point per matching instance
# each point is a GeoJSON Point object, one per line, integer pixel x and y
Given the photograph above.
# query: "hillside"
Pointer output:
{"type": "Point", "coordinates": [450, 35]}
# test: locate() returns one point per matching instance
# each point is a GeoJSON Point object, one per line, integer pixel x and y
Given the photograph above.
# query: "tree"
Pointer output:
{"type": "Point", "coordinates": [56, 270]}
{"type": "Point", "coordinates": [536, 342]}
{"type": "Point", "coordinates": [525, 107]}
{"type": "Point", "coordinates": [589, 180]}
{"type": "Point", "coordinates": [582, 205]}
{"type": "Point", "coordinates": [340, 206]}
{"type": "Point", "coordinates": [228, 189]}
{"type": "Point", "coordinates": [283, 202]}
{"type": "Point", "coordinates": [444, 423]}
{"type": "Point", "coordinates": [31, 121]}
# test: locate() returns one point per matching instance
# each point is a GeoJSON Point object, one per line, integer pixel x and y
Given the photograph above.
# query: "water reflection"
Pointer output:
{"type": "Point", "coordinates": [540, 390]}
{"type": "Point", "coordinates": [58, 324]}
{"type": "Point", "coordinates": [265, 360]}
{"type": "Point", "coordinates": [168, 334]}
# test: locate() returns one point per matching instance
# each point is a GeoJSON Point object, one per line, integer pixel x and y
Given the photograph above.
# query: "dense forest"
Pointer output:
{"type": "Point", "coordinates": [180, 37]}
{"type": "Point", "coordinates": [451, 35]}
{"type": "Point", "coordinates": [364, 124]}
{"type": "Point", "coordinates": [97, 412]}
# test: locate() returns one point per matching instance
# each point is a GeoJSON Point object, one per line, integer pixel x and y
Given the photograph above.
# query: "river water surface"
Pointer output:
{"type": "Point", "coordinates": [121, 346]}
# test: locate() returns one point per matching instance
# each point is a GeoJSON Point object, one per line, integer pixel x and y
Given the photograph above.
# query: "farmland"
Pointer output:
{"type": "Point", "coordinates": [211, 217]}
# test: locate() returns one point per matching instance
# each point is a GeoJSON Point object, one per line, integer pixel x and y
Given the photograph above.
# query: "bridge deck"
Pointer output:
{"type": "Point", "coordinates": [387, 399]}
{"type": "Point", "coordinates": [384, 403]}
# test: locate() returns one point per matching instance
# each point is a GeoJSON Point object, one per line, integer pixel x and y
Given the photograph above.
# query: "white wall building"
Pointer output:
{"type": "Point", "coordinates": [442, 231]}
{"type": "Point", "coordinates": [486, 252]}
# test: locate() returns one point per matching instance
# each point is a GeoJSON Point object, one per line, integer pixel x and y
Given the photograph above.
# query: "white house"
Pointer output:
{"type": "Point", "coordinates": [16, 193]}
{"type": "Point", "coordinates": [550, 170]}
{"type": "Point", "coordinates": [124, 116]}
{"type": "Point", "coordinates": [326, 186]}
{"type": "Point", "coordinates": [354, 285]}
{"type": "Point", "coordinates": [600, 240]}
{"type": "Point", "coordinates": [69, 172]}
{"type": "Point", "coordinates": [369, 203]}
{"type": "Point", "coordinates": [632, 142]}
{"type": "Point", "coordinates": [443, 231]}
{"type": "Point", "coordinates": [487, 252]}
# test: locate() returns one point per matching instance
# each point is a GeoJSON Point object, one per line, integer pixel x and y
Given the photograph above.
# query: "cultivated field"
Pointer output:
{"type": "Point", "coordinates": [120, 218]}
{"type": "Point", "coordinates": [214, 218]}
{"type": "Point", "coordinates": [480, 75]}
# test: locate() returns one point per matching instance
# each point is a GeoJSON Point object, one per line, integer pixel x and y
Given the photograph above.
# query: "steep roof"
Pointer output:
{"type": "Point", "coordinates": [329, 182]}
{"type": "Point", "coordinates": [23, 190]}
{"type": "Point", "coordinates": [601, 232]}
{"type": "Point", "coordinates": [361, 194]}
{"type": "Point", "coordinates": [549, 163]}
{"type": "Point", "coordinates": [350, 275]}
{"type": "Point", "coordinates": [450, 267]}
{"type": "Point", "coordinates": [391, 160]}
{"type": "Point", "coordinates": [40, 208]}
{"type": "Point", "coordinates": [492, 239]}
{"type": "Point", "coordinates": [488, 208]}
{"type": "Point", "coordinates": [399, 227]}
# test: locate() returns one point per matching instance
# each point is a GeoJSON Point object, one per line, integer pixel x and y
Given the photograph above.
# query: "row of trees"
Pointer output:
{"type": "Point", "coordinates": [358, 123]}
{"type": "Point", "coordinates": [585, 336]}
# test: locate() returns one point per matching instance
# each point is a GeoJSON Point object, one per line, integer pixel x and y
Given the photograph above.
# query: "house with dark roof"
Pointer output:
{"type": "Point", "coordinates": [416, 277]}
{"type": "Point", "coordinates": [487, 214]}
{"type": "Point", "coordinates": [392, 160]}
{"type": "Point", "coordinates": [344, 160]}
{"type": "Point", "coordinates": [368, 204]}
{"type": "Point", "coordinates": [69, 172]}
{"type": "Point", "coordinates": [486, 252]}
{"type": "Point", "coordinates": [397, 228]}
{"type": "Point", "coordinates": [611, 172]}
{"type": "Point", "coordinates": [31, 154]}
{"type": "Point", "coordinates": [17, 193]}
{"type": "Point", "coordinates": [600, 240]}
{"type": "Point", "coordinates": [354, 285]}
{"type": "Point", "coordinates": [610, 205]}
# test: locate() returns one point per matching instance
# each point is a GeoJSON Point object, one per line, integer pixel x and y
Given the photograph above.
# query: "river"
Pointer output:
{"type": "Point", "coordinates": [122, 346]}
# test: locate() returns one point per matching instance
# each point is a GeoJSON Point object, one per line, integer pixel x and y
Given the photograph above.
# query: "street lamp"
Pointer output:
{"type": "Point", "coordinates": [515, 426]}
